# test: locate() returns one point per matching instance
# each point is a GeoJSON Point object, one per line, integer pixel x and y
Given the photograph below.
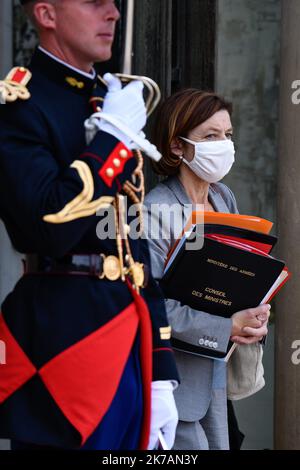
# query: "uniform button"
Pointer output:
{"type": "Point", "coordinates": [116, 162]}
{"type": "Point", "coordinates": [22, 69]}
{"type": "Point", "coordinates": [215, 345]}
{"type": "Point", "coordinates": [110, 172]}
{"type": "Point", "coordinates": [201, 341]}
{"type": "Point", "coordinates": [123, 153]}
{"type": "Point", "coordinates": [210, 344]}
{"type": "Point", "coordinates": [206, 342]}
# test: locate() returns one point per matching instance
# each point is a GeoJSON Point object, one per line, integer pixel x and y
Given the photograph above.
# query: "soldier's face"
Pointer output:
{"type": "Point", "coordinates": [86, 28]}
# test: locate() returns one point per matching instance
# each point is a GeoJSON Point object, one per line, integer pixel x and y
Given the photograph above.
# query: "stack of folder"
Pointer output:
{"type": "Point", "coordinates": [230, 270]}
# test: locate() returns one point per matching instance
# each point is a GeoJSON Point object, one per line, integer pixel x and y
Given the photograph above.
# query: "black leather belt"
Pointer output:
{"type": "Point", "coordinates": [91, 264]}
{"type": "Point", "coordinates": [97, 265]}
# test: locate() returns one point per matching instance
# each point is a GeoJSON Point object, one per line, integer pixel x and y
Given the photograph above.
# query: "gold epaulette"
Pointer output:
{"type": "Point", "coordinates": [13, 87]}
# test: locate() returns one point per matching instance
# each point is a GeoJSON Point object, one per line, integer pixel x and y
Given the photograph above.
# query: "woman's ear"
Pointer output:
{"type": "Point", "coordinates": [176, 147]}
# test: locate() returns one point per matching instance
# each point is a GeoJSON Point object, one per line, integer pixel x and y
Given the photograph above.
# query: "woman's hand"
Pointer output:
{"type": "Point", "coordinates": [250, 326]}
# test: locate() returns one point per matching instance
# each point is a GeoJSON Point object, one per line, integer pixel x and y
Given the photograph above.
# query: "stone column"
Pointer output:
{"type": "Point", "coordinates": [287, 391]}
{"type": "Point", "coordinates": [10, 262]}
{"type": "Point", "coordinates": [5, 36]}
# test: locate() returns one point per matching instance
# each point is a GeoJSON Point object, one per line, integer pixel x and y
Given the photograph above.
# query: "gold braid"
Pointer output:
{"type": "Point", "coordinates": [117, 212]}
{"type": "Point", "coordinates": [133, 269]}
{"type": "Point", "coordinates": [131, 190]}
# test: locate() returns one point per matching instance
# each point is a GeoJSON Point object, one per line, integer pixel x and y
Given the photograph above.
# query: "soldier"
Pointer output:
{"type": "Point", "coordinates": [89, 363]}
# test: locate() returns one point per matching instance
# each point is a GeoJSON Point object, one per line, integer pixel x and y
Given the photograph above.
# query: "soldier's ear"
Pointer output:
{"type": "Point", "coordinates": [44, 15]}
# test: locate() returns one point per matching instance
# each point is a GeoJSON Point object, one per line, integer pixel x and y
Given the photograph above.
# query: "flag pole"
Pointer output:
{"type": "Point", "coordinates": [128, 51]}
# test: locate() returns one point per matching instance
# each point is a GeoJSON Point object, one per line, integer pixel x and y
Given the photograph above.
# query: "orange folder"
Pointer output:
{"type": "Point", "coordinates": [249, 222]}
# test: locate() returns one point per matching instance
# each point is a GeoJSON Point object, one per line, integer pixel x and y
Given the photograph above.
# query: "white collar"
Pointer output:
{"type": "Point", "coordinates": [85, 74]}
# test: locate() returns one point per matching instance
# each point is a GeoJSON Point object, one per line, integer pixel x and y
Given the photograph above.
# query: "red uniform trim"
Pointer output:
{"type": "Point", "coordinates": [146, 363]}
{"type": "Point", "coordinates": [19, 75]}
{"type": "Point", "coordinates": [163, 349]}
{"type": "Point", "coordinates": [83, 391]}
{"type": "Point", "coordinates": [109, 170]}
{"type": "Point", "coordinates": [17, 369]}
{"type": "Point", "coordinates": [92, 155]}
{"type": "Point", "coordinates": [83, 379]}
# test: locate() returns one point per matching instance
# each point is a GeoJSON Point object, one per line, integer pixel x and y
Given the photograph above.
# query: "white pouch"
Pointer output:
{"type": "Point", "coordinates": [245, 371]}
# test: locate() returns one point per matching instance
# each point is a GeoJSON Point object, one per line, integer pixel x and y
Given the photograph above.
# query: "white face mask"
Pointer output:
{"type": "Point", "coordinates": [212, 160]}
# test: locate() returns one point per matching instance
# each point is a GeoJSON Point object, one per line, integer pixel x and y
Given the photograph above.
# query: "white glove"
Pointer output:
{"type": "Point", "coordinates": [164, 415]}
{"type": "Point", "coordinates": [125, 105]}
{"type": "Point", "coordinates": [123, 115]}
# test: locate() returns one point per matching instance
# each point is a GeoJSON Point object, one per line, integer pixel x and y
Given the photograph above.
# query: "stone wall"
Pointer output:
{"type": "Point", "coordinates": [247, 72]}
{"type": "Point", "coordinates": [24, 36]}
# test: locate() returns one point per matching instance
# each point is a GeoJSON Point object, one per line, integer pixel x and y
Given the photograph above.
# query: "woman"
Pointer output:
{"type": "Point", "coordinates": [193, 132]}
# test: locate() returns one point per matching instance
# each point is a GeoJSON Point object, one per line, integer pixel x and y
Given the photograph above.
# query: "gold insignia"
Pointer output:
{"type": "Point", "coordinates": [165, 332]}
{"type": "Point", "coordinates": [75, 83]}
{"type": "Point", "coordinates": [111, 268]}
{"type": "Point", "coordinates": [82, 205]}
{"type": "Point", "coordinates": [14, 85]}
{"type": "Point", "coordinates": [136, 271]}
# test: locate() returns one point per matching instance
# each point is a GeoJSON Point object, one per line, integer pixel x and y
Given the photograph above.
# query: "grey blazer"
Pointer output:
{"type": "Point", "coordinates": [194, 393]}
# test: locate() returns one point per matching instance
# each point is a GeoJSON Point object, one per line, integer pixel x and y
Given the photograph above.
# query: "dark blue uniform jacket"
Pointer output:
{"type": "Point", "coordinates": [49, 321]}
